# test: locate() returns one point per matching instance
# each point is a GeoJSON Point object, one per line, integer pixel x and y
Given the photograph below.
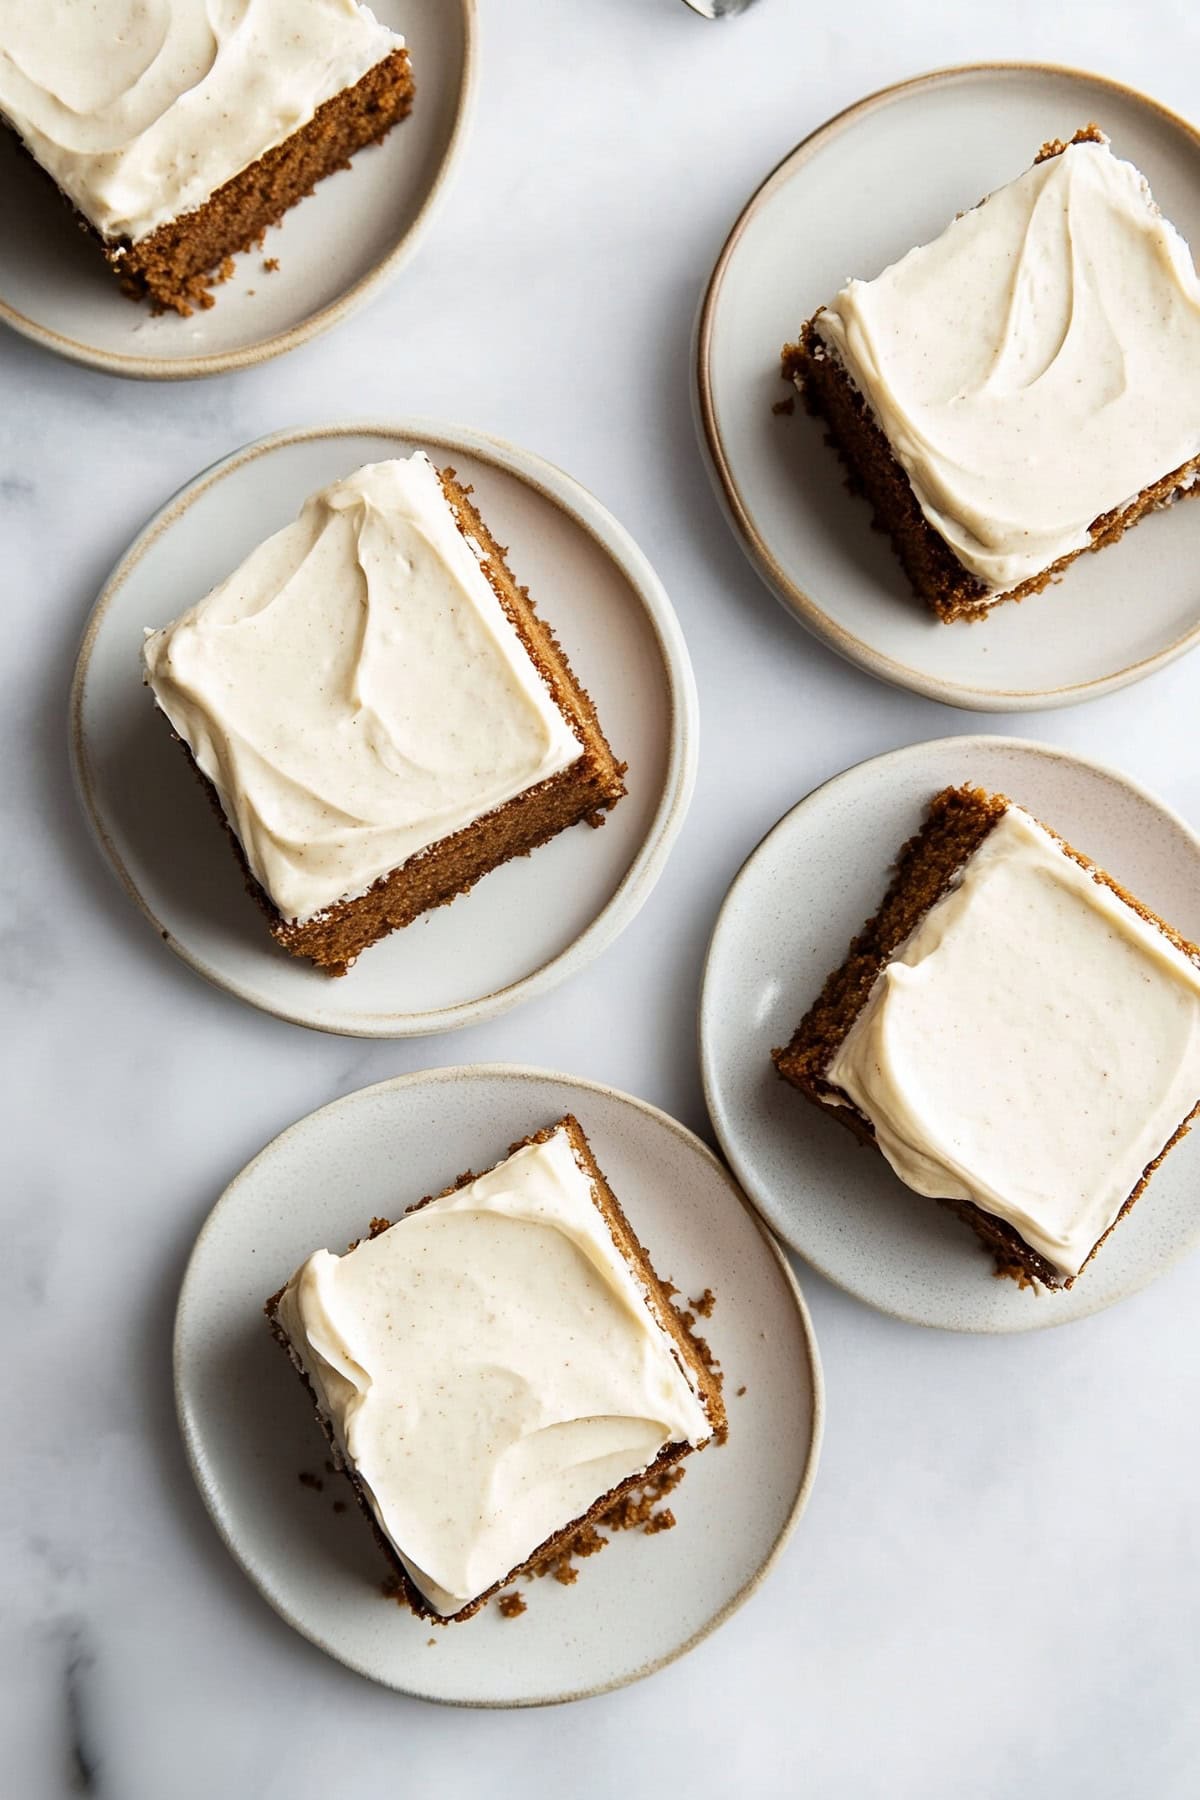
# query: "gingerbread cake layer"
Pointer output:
{"type": "Point", "coordinates": [177, 266]}
{"type": "Point", "coordinates": [929, 868]}
{"type": "Point", "coordinates": [705, 1411]}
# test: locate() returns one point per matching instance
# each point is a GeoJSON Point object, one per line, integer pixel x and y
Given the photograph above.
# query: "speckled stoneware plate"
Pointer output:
{"type": "Point", "coordinates": [335, 250]}
{"type": "Point", "coordinates": [886, 174]}
{"type": "Point", "coordinates": [788, 920]}
{"type": "Point", "coordinates": [250, 1433]}
{"type": "Point", "coordinates": [521, 929]}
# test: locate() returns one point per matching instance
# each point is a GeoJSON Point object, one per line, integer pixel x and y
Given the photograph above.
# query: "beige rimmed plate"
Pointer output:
{"type": "Point", "coordinates": [788, 920]}
{"type": "Point", "coordinates": [521, 929]}
{"type": "Point", "coordinates": [889, 173]}
{"type": "Point", "coordinates": [249, 1430]}
{"type": "Point", "coordinates": [335, 250]}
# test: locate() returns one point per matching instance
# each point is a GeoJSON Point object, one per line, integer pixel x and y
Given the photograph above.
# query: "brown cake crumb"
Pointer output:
{"type": "Point", "coordinates": [309, 1480]}
{"type": "Point", "coordinates": [659, 1521]}
{"type": "Point", "coordinates": [177, 264]}
{"type": "Point", "coordinates": [740, 1392]}
{"type": "Point", "coordinates": [706, 1357]}
{"type": "Point", "coordinates": [704, 1305]}
{"type": "Point", "coordinates": [787, 406]}
{"type": "Point", "coordinates": [511, 1605]}
{"type": "Point", "coordinates": [1008, 1271]}
{"type": "Point", "coordinates": [271, 265]}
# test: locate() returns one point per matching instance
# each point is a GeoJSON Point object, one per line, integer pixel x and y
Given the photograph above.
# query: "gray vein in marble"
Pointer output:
{"type": "Point", "coordinates": [80, 1660]}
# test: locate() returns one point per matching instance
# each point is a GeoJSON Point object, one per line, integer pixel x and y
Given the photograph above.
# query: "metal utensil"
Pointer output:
{"type": "Point", "coordinates": [718, 9]}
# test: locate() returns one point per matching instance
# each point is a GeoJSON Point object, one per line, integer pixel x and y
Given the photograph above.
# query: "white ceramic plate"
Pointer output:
{"type": "Point", "coordinates": [788, 920]}
{"type": "Point", "coordinates": [335, 249]}
{"type": "Point", "coordinates": [249, 1430]}
{"type": "Point", "coordinates": [520, 930]}
{"type": "Point", "coordinates": [889, 173]}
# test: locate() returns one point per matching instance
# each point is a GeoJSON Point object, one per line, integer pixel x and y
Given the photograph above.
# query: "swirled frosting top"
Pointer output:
{"type": "Point", "coordinates": [1035, 366]}
{"type": "Point", "coordinates": [355, 691]}
{"type": "Point", "coordinates": [490, 1368]}
{"type": "Point", "coordinates": [1032, 1046]}
{"type": "Point", "coordinates": [142, 109]}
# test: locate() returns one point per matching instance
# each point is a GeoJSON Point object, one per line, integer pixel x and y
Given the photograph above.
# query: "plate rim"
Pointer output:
{"type": "Point", "coordinates": [561, 490]}
{"type": "Point", "coordinates": [706, 1037]}
{"type": "Point", "coordinates": [220, 362]}
{"type": "Point", "coordinates": [795, 599]}
{"type": "Point", "coordinates": [518, 1072]}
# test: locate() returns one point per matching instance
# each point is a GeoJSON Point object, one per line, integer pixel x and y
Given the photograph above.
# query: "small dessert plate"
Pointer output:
{"type": "Point", "coordinates": [524, 927]}
{"type": "Point", "coordinates": [250, 1433]}
{"type": "Point", "coordinates": [56, 289]}
{"type": "Point", "coordinates": [786, 923]}
{"type": "Point", "coordinates": [886, 174]}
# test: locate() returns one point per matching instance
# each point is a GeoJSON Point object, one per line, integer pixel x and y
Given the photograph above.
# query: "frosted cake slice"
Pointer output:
{"type": "Point", "coordinates": [496, 1369]}
{"type": "Point", "coordinates": [179, 130]}
{"type": "Point", "coordinates": [1023, 388]}
{"type": "Point", "coordinates": [380, 714]}
{"type": "Point", "coordinates": [1015, 1033]}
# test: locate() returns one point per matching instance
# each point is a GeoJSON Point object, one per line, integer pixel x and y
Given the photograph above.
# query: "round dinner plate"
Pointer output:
{"type": "Point", "coordinates": [788, 920]}
{"type": "Point", "coordinates": [249, 1430]}
{"type": "Point", "coordinates": [56, 288]}
{"type": "Point", "coordinates": [886, 174]}
{"type": "Point", "coordinates": [524, 927]}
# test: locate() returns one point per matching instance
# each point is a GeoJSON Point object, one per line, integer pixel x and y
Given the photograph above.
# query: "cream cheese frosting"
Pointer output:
{"type": "Point", "coordinates": [1034, 367]}
{"type": "Point", "coordinates": [142, 109]}
{"type": "Point", "coordinates": [355, 691]}
{"type": "Point", "coordinates": [1032, 1046]}
{"type": "Point", "coordinates": [490, 1368]}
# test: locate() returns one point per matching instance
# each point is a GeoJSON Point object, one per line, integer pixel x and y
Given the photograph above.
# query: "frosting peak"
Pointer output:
{"type": "Point", "coordinates": [1037, 365]}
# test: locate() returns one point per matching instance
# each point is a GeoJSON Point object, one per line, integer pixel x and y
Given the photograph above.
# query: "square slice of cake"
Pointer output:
{"type": "Point", "coordinates": [1023, 388]}
{"type": "Point", "coordinates": [179, 131]}
{"type": "Point", "coordinates": [1018, 1035]}
{"type": "Point", "coordinates": [379, 712]}
{"type": "Point", "coordinates": [496, 1369]}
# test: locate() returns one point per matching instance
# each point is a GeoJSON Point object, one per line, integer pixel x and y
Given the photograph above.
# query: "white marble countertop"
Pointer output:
{"type": "Point", "coordinates": [996, 1588]}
